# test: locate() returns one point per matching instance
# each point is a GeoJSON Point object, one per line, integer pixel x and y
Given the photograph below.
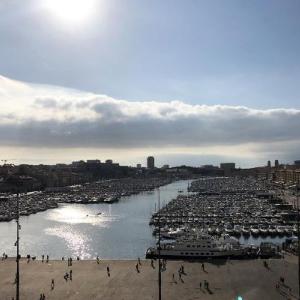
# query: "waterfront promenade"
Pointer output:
{"type": "Point", "coordinates": [247, 278]}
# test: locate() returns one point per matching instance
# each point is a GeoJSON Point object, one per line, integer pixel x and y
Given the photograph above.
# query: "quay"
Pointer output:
{"type": "Point", "coordinates": [227, 280]}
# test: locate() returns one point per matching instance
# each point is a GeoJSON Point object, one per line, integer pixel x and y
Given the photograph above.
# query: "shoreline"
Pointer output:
{"type": "Point", "coordinates": [92, 193]}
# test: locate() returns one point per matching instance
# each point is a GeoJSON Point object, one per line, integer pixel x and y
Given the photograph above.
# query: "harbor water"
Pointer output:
{"type": "Point", "coordinates": [111, 231]}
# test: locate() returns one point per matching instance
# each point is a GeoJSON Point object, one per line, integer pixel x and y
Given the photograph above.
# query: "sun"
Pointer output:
{"type": "Point", "coordinates": [71, 11]}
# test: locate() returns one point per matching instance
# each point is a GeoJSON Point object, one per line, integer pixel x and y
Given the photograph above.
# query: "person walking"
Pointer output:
{"type": "Point", "coordinates": [152, 263]}
{"type": "Point", "coordinates": [108, 271]}
{"type": "Point", "coordinates": [52, 284]}
{"type": "Point", "coordinates": [71, 275]}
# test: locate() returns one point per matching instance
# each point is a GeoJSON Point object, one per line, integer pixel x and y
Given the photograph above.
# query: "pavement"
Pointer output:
{"type": "Point", "coordinates": [249, 279]}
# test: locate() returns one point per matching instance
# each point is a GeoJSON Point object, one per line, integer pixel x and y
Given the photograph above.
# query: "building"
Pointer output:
{"type": "Point", "coordinates": [297, 162]}
{"type": "Point", "coordinates": [276, 163]}
{"type": "Point", "coordinates": [93, 161]}
{"type": "Point", "coordinates": [269, 164]}
{"type": "Point", "coordinates": [228, 168]}
{"type": "Point", "coordinates": [139, 166]}
{"type": "Point", "coordinates": [109, 161]}
{"type": "Point", "coordinates": [150, 162]}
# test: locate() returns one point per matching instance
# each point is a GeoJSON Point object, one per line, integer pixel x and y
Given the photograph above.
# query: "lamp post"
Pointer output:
{"type": "Point", "coordinates": [18, 253]}
{"type": "Point", "coordinates": [298, 234]}
{"type": "Point", "coordinates": [159, 262]}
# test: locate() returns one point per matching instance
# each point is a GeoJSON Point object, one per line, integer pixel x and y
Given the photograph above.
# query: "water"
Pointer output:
{"type": "Point", "coordinates": [121, 231]}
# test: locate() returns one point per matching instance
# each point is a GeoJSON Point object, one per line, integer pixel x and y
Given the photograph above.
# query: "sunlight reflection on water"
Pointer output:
{"type": "Point", "coordinates": [81, 215]}
{"type": "Point", "coordinates": [78, 243]}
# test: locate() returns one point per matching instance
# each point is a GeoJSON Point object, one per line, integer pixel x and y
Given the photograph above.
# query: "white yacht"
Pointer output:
{"type": "Point", "coordinates": [201, 246]}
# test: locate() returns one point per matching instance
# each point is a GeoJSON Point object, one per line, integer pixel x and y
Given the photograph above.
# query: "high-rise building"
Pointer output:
{"type": "Point", "coordinates": [139, 166]}
{"type": "Point", "coordinates": [150, 162]}
{"type": "Point", "coordinates": [297, 162]}
{"type": "Point", "coordinates": [269, 163]}
{"type": "Point", "coordinates": [276, 163]}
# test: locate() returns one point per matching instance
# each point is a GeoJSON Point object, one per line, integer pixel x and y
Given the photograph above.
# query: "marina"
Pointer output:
{"type": "Point", "coordinates": [106, 191]}
{"type": "Point", "coordinates": [113, 231]}
{"type": "Point", "coordinates": [242, 209]}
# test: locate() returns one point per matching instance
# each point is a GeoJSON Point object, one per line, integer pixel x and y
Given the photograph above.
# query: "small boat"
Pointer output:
{"type": "Point", "coordinates": [264, 230]}
{"type": "Point", "coordinates": [111, 199]}
{"type": "Point", "coordinates": [272, 230]}
{"type": "Point", "coordinates": [254, 230]}
{"type": "Point", "coordinates": [237, 230]}
{"type": "Point", "coordinates": [246, 230]}
{"type": "Point", "coordinates": [280, 230]}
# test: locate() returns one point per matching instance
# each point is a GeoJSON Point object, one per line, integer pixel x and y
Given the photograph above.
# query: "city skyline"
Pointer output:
{"type": "Point", "coordinates": [190, 83]}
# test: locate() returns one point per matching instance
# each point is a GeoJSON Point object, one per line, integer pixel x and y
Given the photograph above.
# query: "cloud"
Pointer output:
{"type": "Point", "coordinates": [44, 116]}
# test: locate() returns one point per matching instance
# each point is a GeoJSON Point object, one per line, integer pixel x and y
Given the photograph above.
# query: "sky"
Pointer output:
{"type": "Point", "coordinates": [190, 82]}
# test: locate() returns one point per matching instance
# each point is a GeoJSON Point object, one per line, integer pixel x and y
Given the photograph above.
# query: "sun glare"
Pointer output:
{"type": "Point", "coordinates": [71, 11]}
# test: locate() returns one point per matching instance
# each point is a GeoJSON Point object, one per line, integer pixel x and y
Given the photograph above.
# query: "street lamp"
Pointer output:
{"type": "Point", "coordinates": [298, 234]}
{"type": "Point", "coordinates": [18, 253]}
{"type": "Point", "coordinates": [159, 262]}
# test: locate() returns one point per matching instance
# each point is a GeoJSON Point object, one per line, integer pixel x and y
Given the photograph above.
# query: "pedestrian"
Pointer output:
{"type": "Point", "coordinates": [44, 297]}
{"type": "Point", "coordinates": [52, 284]}
{"type": "Point", "coordinates": [63, 258]}
{"type": "Point", "coordinates": [98, 260]}
{"type": "Point", "coordinates": [200, 285]}
{"type": "Point", "coordinates": [41, 296]}
{"type": "Point", "coordinates": [47, 258]}
{"type": "Point", "coordinates": [108, 271]}
{"type": "Point", "coordinates": [71, 273]}
{"type": "Point", "coordinates": [66, 276]}
{"type": "Point", "coordinates": [137, 268]}
{"type": "Point", "coordinates": [173, 276]}
{"type": "Point", "coordinates": [43, 258]}
{"type": "Point", "coordinates": [152, 263]}
{"type": "Point", "coordinates": [202, 266]}
{"type": "Point", "coordinates": [139, 261]}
